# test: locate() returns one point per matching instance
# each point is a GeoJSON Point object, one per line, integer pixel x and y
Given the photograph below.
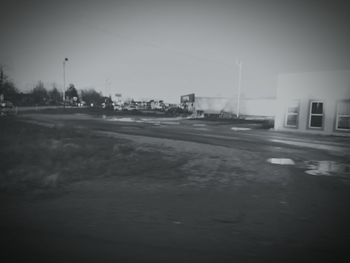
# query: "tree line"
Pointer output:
{"type": "Point", "coordinates": [40, 95]}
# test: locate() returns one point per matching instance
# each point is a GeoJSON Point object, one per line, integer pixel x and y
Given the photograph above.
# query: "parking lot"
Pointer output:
{"type": "Point", "coordinates": [145, 189]}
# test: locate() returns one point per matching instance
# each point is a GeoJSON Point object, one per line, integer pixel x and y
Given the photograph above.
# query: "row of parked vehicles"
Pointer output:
{"type": "Point", "coordinates": [6, 108]}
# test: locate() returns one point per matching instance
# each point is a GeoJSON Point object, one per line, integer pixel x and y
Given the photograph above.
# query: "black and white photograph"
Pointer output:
{"type": "Point", "coordinates": [175, 131]}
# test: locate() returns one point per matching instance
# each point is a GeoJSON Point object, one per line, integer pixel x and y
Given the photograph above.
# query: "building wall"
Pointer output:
{"type": "Point", "coordinates": [303, 88]}
{"type": "Point", "coordinates": [213, 105]}
{"type": "Point", "coordinates": [248, 107]}
{"type": "Point", "coordinates": [258, 107]}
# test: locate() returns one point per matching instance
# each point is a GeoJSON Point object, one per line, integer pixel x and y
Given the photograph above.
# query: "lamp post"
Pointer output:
{"type": "Point", "coordinates": [239, 64]}
{"type": "Point", "coordinates": [64, 80]}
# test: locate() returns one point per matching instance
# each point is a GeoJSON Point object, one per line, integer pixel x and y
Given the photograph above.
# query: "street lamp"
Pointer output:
{"type": "Point", "coordinates": [239, 64]}
{"type": "Point", "coordinates": [64, 80]}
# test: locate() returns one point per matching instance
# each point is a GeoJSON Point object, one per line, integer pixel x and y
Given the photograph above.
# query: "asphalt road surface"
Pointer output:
{"type": "Point", "coordinates": [214, 192]}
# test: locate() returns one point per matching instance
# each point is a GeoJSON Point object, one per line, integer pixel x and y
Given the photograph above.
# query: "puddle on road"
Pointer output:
{"type": "Point", "coordinates": [281, 161]}
{"type": "Point", "coordinates": [318, 168]}
{"type": "Point", "coordinates": [171, 122]}
{"type": "Point", "coordinates": [123, 119]}
{"type": "Point", "coordinates": [156, 121]}
{"type": "Point", "coordinates": [328, 168]}
{"type": "Point", "coordinates": [120, 119]}
{"type": "Point", "coordinates": [240, 129]}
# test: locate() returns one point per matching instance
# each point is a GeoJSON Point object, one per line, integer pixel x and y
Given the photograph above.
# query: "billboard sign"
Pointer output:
{"type": "Point", "coordinates": [187, 98]}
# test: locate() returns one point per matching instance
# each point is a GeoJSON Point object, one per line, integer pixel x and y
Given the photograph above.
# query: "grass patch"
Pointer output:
{"type": "Point", "coordinates": [36, 157]}
{"type": "Point", "coordinates": [106, 112]}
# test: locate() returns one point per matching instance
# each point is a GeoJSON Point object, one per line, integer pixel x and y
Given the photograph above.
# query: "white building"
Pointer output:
{"type": "Point", "coordinates": [249, 107]}
{"type": "Point", "coordinates": [212, 105]}
{"type": "Point", "coordinates": [314, 102]}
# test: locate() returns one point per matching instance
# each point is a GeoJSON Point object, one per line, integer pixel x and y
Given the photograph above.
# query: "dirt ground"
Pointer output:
{"type": "Point", "coordinates": [105, 189]}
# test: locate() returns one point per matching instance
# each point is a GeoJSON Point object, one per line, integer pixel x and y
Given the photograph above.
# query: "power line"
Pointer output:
{"type": "Point", "coordinates": [99, 29]}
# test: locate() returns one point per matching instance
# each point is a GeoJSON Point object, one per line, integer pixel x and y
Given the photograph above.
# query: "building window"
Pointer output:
{"type": "Point", "coordinates": [343, 116]}
{"type": "Point", "coordinates": [316, 114]}
{"type": "Point", "coordinates": [292, 114]}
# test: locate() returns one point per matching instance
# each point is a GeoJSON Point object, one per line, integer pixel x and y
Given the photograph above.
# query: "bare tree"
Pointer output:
{"type": "Point", "coordinates": [55, 97]}
{"type": "Point", "coordinates": [91, 96]}
{"type": "Point", "coordinates": [72, 93]}
{"type": "Point", "coordinates": [8, 90]}
{"type": "Point", "coordinates": [39, 94]}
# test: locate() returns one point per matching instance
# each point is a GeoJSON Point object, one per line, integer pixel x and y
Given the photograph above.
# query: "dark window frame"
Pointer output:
{"type": "Point", "coordinates": [337, 115]}
{"type": "Point", "coordinates": [287, 113]}
{"type": "Point", "coordinates": [316, 114]}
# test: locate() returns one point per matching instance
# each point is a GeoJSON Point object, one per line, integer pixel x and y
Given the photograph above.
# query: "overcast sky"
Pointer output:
{"type": "Point", "coordinates": [164, 49]}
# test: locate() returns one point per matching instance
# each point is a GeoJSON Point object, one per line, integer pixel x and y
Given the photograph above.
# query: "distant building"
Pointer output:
{"type": "Point", "coordinates": [317, 102]}
{"type": "Point", "coordinates": [118, 99]}
{"type": "Point", "coordinates": [156, 104]}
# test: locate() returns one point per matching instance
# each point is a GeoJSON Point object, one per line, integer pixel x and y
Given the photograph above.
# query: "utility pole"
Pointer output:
{"type": "Point", "coordinates": [108, 86]}
{"type": "Point", "coordinates": [64, 80]}
{"type": "Point", "coordinates": [239, 64]}
{"type": "Point", "coordinates": [1, 77]}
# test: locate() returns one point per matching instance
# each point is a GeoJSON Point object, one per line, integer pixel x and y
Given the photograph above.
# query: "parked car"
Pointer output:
{"type": "Point", "coordinates": [6, 108]}
{"type": "Point", "coordinates": [129, 108]}
{"type": "Point", "coordinates": [117, 107]}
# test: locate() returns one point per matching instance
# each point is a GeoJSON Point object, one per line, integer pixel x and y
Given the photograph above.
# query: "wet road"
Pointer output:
{"type": "Point", "coordinates": [208, 132]}
{"type": "Point", "coordinates": [224, 203]}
